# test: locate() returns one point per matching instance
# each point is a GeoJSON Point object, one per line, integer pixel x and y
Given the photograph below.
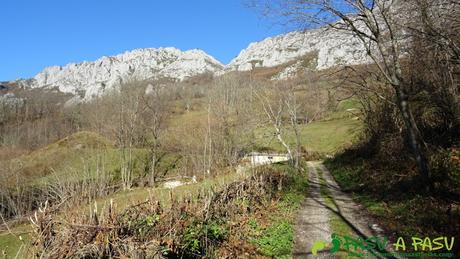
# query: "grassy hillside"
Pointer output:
{"type": "Point", "coordinates": [335, 132]}
{"type": "Point", "coordinates": [324, 137]}
{"type": "Point", "coordinates": [66, 153]}
{"type": "Point", "coordinates": [79, 156]}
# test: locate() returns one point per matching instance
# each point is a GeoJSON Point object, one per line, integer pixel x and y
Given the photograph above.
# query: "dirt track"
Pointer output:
{"type": "Point", "coordinates": [313, 222]}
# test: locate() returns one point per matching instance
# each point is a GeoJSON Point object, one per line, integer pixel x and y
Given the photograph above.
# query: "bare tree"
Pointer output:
{"type": "Point", "coordinates": [154, 113]}
{"type": "Point", "coordinates": [128, 113]}
{"type": "Point", "coordinates": [293, 109]}
{"type": "Point", "coordinates": [208, 141]}
{"type": "Point", "coordinates": [274, 109]}
{"type": "Point", "coordinates": [377, 25]}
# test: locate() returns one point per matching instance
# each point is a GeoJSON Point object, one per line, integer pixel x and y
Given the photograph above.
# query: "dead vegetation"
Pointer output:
{"type": "Point", "coordinates": [189, 228]}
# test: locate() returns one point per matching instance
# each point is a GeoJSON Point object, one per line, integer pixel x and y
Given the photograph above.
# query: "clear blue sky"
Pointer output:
{"type": "Point", "coordinates": [40, 33]}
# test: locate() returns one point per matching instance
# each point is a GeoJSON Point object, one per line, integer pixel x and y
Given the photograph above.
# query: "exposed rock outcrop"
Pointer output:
{"type": "Point", "coordinates": [90, 79]}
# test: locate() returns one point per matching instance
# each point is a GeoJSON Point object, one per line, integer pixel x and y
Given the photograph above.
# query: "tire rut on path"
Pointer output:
{"type": "Point", "coordinates": [313, 221]}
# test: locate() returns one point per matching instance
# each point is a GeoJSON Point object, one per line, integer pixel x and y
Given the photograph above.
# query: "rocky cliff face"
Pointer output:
{"type": "Point", "coordinates": [333, 48]}
{"type": "Point", "coordinates": [90, 79]}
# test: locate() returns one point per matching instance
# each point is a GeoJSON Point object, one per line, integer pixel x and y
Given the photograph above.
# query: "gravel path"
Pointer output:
{"type": "Point", "coordinates": [313, 222]}
{"type": "Point", "coordinates": [313, 219]}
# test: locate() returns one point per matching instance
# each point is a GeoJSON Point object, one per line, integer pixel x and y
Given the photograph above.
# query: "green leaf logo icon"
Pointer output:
{"type": "Point", "coordinates": [318, 245]}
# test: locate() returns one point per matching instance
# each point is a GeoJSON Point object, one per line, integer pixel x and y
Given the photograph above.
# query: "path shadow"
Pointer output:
{"type": "Point", "coordinates": [337, 210]}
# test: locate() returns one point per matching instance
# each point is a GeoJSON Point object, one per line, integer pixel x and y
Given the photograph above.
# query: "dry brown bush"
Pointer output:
{"type": "Point", "coordinates": [188, 228]}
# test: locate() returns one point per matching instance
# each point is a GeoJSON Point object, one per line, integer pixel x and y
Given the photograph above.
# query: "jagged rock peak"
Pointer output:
{"type": "Point", "coordinates": [333, 48]}
{"type": "Point", "coordinates": [90, 79]}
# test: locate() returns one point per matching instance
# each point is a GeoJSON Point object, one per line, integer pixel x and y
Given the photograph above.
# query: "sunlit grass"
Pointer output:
{"type": "Point", "coordinates": [124, 199]}
{"type": "Point", "coordinates": [326, 137]}
{"type": "Point", "coordinates": [14, 244]}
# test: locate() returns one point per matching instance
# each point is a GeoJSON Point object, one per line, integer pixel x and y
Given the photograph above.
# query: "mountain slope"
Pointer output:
{"type": "Point", "coordinates": [90, 79]}
{"type": "Point", "coordinates": [333, 48]}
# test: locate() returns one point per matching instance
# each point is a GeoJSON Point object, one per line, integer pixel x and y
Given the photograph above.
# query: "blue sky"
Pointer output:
{"type": "Point", "coordinates": [40, 33]}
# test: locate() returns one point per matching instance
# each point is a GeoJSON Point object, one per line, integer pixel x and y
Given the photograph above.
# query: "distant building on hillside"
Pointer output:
{"type": "Point", "coordinates": [256, 158]}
